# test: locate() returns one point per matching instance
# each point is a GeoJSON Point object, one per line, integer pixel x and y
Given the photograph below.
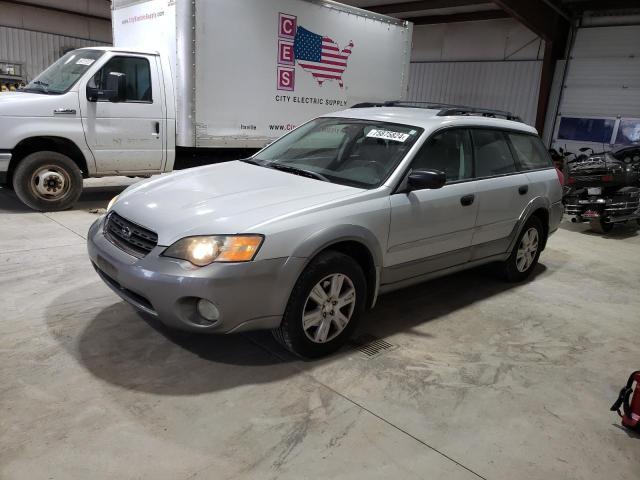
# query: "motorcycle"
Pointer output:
{"type": "Point", "coordinates": [603, 188]}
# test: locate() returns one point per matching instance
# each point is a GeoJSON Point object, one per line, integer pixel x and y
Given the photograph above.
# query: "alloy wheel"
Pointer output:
{"type": "Point", "coordinates": [527, 250]}
{"type": "Point", "coordinates": [328, 308]}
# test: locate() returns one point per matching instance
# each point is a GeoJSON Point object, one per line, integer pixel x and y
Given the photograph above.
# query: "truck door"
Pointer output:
{"type": "Point", "coordinates": [127, 136]}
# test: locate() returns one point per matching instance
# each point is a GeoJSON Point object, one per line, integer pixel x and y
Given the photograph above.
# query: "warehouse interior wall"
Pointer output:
{"type": "Point", "coordinates": [87, 24]}
{"type": "Point", "coordinates": [491, 64]}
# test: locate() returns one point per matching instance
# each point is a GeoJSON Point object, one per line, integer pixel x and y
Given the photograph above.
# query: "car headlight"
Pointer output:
{"type": "Point", "coordinates": [203, 250]}
{"type": "Point", "coordinates": [111, 202]}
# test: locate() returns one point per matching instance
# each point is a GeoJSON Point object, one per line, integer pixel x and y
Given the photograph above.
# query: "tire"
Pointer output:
{"type": "Point", "coordinates": [600, 226]}
{"type": "Point", "coordinates": [63, 177]}
{"type": "Point", "coordinates": [514, 269]}
{"type": "Point", "coordinates": [309, 343]}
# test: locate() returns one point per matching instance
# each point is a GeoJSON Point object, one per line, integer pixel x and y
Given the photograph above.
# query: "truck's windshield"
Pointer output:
{"type": "Point", "coordinates": [61, 76]}
{"type": "Point", "coordinates": [359, 153]}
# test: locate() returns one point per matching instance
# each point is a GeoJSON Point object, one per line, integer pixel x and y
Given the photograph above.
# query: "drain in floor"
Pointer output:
{"type": "Point", "coordinates": [371, 346]}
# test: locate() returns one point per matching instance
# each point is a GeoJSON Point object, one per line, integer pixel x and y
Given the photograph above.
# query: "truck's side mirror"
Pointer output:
{"type": "Point", "coordinates": [426, 179]}
{"type": "Point", "coordinates": [115, 91]}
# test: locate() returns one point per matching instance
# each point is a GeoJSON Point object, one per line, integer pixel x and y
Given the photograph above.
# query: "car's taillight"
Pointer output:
{"type": "Point", "coordinates": [560, 176]}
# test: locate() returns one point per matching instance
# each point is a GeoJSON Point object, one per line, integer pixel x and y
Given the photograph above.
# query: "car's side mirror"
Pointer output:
{"type": "Point", "coordinates": [426, 179]}
{"type": "Point", "coordinates": [116, 90]}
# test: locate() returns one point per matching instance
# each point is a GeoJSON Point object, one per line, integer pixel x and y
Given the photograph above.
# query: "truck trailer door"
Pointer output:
{"type": "Point", "coordinates": [127, 136]}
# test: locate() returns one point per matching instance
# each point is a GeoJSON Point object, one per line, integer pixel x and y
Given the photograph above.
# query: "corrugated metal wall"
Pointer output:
{"type": "Point", "coordinates": [36, 50]}
{"type": "Point", "coordinates": [603, 77]}
{"type": "Point", "coordinates": [504, 85]}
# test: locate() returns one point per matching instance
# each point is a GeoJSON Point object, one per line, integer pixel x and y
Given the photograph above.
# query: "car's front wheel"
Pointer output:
{"type": "Point", "coordinates": [324, 306]}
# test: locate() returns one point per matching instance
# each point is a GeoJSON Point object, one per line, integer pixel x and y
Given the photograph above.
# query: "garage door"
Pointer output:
{"type": "Point", "coordinates": [600, 104]}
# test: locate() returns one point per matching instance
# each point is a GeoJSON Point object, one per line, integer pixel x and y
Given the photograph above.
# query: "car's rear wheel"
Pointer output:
{"type": "Point", "coordinates": [47, 181]}
{"type": "Point", "coordinates": [526, 252]}
{"type": "Point", "coordinates": [324, 307]}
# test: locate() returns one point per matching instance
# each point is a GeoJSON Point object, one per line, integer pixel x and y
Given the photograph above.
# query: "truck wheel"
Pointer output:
{"type": "Point", "coordinates": [526, 252]}
{"type": "Point", "coordinates": [324, 307]}
{"type": "Point", "coordinates": [599, 225]}
{"type": "Point", "coordinates": [47, 181]}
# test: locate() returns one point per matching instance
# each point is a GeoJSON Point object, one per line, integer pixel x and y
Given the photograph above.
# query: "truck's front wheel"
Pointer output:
{"type": "Point", "coordinates": [47, 181]}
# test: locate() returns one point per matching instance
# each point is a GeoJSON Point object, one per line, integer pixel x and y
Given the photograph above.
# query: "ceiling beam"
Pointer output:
{"type": "Point", "coordinates": [394, 8]}
{"type": "Point", "coordinates": [459, 17]}
{"type": "Point", "coordinates": [581, 6]}
{"type": "Point", "coordinates": [537, 16]}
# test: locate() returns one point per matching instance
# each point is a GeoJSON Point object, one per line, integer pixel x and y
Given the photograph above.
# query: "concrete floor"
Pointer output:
{"type": "Point", "coordinates": [488, 380]}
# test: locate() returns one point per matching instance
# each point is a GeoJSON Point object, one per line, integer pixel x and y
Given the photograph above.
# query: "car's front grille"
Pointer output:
{"type": "Point", "coordinates": [126, 235]}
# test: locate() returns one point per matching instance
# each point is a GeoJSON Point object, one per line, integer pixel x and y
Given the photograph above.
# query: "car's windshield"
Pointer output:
{"type": "Point", "coordinates": [359, 153]}
{"type": "Point", "coordinates": [61, 76]}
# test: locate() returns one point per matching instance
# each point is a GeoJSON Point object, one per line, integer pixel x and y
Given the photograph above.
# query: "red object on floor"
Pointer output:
{"type": "Point", "coordinates": [629, 400]}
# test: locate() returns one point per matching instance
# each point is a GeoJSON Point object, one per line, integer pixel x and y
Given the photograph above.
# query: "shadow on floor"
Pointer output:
{"type": "Point", "coordinates": [620, 231]}
{"type": "Point", "coordinates": [124, 348]}
{"type": "Point", "coordinates": [92, 197]}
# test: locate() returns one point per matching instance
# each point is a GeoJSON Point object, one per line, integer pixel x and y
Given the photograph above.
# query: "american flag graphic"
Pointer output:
{"type": "Point", "coordinates": [320, 56]}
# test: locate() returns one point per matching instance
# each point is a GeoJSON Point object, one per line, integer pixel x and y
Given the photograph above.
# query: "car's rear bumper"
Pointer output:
{"type": "Point", "coordinates": [248, 296]}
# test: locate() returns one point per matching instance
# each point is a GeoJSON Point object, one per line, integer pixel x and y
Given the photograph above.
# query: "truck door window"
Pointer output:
{"type": "Point", "coordinates": [449, 152]}
{"type": "Point", "coordinates": [138, 75]}
{"type": "Point", "coordinates": [492, 154]}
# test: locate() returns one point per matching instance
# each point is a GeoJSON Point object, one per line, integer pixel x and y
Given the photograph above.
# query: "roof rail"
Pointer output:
{"type": "Point", "coordinates": [445, 109]}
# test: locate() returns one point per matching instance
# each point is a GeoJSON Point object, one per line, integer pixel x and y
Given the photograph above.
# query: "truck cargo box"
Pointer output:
{"type": "Point", "coordinates": [247, 71]}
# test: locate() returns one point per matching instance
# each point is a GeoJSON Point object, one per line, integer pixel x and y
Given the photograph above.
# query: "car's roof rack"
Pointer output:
{"type": "Point", "coordinates": [445, 109]}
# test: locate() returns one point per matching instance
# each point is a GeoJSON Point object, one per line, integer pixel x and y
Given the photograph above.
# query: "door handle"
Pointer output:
{"type": "Point", "coordinates": [523, 189]}
{"type": "Point", "coordinates": [467, 200]}
{"type": "Point", "coordinates": [156, 129]}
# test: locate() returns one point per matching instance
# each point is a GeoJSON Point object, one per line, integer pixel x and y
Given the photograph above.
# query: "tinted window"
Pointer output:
{"type": "Point", "coordinates": [449, 152]}
{"type": "Point", "coordinates": [492, 154]}
{"type": "Point", "coordinates": [628, 132]}
{"type": "Point", "coordinates": [586, 129]}
{"type": "Point", "coordinates": [138, 77]}
{"type": "Point", "coordinates": [529, 151]}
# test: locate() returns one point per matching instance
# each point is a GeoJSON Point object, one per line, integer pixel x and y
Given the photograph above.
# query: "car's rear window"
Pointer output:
{"type": "Point", "coordinates": [530, 152]}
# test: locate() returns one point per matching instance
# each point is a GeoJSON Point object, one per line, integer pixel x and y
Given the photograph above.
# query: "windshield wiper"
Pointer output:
{"type": "Point", "coordinates": [298, 171]}
{"type": "Point", "coordinates": [251, 161]}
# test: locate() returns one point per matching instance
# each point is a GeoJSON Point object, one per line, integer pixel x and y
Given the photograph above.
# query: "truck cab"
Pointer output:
{"type": "Point", "coordinates": [95, 112]}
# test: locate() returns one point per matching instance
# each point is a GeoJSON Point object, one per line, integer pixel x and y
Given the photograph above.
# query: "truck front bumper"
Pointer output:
{"type": "Point", "coordinates": [5, 158]}
{"type": "Point", "coordinates": [248, 296]}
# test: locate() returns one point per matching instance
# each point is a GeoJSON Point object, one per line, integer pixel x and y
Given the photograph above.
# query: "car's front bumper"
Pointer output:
{"type": "Point", "coordinates": [249, 296]}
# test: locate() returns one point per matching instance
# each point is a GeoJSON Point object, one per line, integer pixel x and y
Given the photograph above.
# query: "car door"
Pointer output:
{"type": "Point", "coordinates": [432, 229]}
{"type": "Point", "coordinates": [127, 136]}
{"type": "Point", "coordinates": [502, 192]}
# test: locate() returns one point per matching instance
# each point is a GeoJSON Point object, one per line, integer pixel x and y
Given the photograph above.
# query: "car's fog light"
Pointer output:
{"type": "Point", "coordinates": [208, 310]}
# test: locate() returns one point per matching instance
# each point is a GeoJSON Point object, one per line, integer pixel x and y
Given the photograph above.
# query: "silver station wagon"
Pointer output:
{"type": "Point", "coordinates": [302, 237]}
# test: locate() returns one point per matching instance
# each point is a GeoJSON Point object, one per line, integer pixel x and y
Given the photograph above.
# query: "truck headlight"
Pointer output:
{"type": "Point", "coordinates": [111, 202]}
{"type": "Point", "coordinates": [203, 250]}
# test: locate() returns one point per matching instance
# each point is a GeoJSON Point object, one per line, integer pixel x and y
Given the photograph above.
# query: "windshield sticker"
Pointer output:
{"type": "Point", "coordinates": [85, 61]}
{"type": "Point", "coordinates": [388, 135]}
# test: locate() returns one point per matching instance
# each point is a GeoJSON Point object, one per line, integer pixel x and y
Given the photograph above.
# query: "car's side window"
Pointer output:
{"type": "Point", "coordinates": [138, 75]}
{"type": "Point", "coordinates": [492, 154]}
{"type": "Point", "coordinates": [529, 151]}
{"type": "Point", "coordinates": [448, 151]}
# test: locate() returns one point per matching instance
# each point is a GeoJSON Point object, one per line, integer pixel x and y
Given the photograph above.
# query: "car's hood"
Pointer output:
{"type": "Point", "coordinates": [232, 197]}
{"type": "Point", "coordinates": [26, 104]}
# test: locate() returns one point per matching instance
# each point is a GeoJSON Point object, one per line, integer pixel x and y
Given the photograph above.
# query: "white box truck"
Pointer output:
{"type": "Point", "coordinates": [192, 79]}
